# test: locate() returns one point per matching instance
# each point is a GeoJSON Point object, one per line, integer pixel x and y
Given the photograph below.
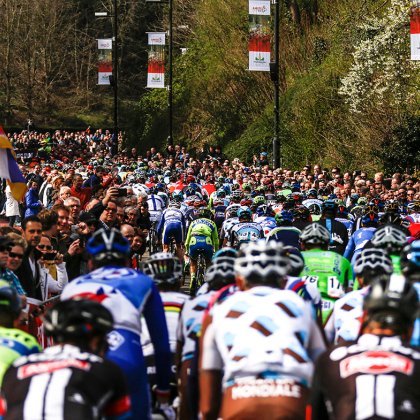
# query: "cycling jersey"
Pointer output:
{"type": "Point", "coordinates": [262, 333]}
{"type": "Point", "coordinates": [227, 227]}
{"type": "Point", "coordinates": [375, 378]}
{"type": "Point", "coordinates": [245, 232]}
{"type": "Point", "coordinates": [128, 294]}
{"type": "Point", "coordinates": [348, 223]}
{"type": "Point", "coordinates": [357, 242]}
{"type": "Point", "coordinates": [338, 235]}
{"type": "Point", "coordinates": [155, 205]}
{"type": "Point", "coordinates": [219, 215]}
{"type": "Point", "coordinates": [330, 272]}
{"type": "Point", "coordinates": [65, 383]}
{"type": "Point", "coordinates": [306, 290]}
{"type": "Point", "coordinates": [288, 235]}
{"type": "Point", "coordinates": [202, 237]}
{"type": "Point", "coordinates": [13, 344]}
{"type": "Point", "coordinates": [172, 225]}
{"type": "Point", "coordinates": [267, 223]}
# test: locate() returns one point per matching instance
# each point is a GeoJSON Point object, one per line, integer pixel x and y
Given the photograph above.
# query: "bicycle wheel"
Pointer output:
{"type": "Point", "coordinates": [201, 268]}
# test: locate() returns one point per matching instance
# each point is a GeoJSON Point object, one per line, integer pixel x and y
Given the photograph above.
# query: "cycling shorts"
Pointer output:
{"type": "Point", "coordinates": [265, 398]}
{"type": "Point", "coordinates": [173, 230]}
{"type": "Point", "coordinates": [201, 244]}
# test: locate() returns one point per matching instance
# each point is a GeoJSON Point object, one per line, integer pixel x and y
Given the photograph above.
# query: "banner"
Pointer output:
{"type": "Point", "coordinates": [415, 29]}
{"type": "Point", "coordinates": [259, 45]}
{"type": "Point", "coordinates": [156, 60]}
{"type": "Point", "coordinates": [104, 61]}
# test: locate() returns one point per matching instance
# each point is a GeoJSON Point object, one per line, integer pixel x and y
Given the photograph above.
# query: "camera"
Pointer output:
{"type": "Point", "coordinates": [49, 256]}
{"type": "Point", "coordinates": [122, 192]}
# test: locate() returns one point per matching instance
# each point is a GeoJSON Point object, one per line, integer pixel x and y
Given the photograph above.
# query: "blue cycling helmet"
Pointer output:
{"type": "Point", "coordinates": [284, 216]}
{"type": "Point", "coordinates": [107, 246]}
{"type": "Point", "coordinates": [221, 193]}
{"type": "Point", "coordinates": [329, 206]}
{"type": "Point", "coordinates": [263, 209]}
{"type": "Point", "coordinates": [225, 252]}
{"type": "Point", "coordinates": [244, 213]}
{"type": "Point", "coordinates": [410, 260]}
{"type": "Point", "coordinates": [370, 215]}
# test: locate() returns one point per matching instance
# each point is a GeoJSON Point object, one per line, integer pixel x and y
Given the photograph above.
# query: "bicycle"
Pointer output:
{"type": "Point", "coordinates": [198, 281]}
{"type": "Point", "coordinates": [153, 240]}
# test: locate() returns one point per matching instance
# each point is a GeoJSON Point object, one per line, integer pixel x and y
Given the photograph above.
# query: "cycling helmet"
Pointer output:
{"type": "Point", "coordinates": [262, 262]}
{"type": "Point", "coordinates": [221, 193]}
{"type": "Point", "coordinates": [315, 234]}
{"type": "Point", "coordinates": [372, 262]}
{"type": "Point", "coordinates": [362, 201]}
{"type": "Point", "coordinates": [225, 252]}
{"type": "Point", "coordinates": [390, 238]}
{"type": "Point", "coordinates": [410, 260]}
{"type": "Point", "coordinates": [174, 203]}
{"type": "Point", "coordinates": [314, 208]}
{"type": "Point", "coordinates": [263, 210]}
{"type": "Point", "coordinates": [235, 187]}
{"type": "Point", "coordinates": [178, 196]}
{"type": "Point", "coordinates": [198, 202]}
{"type": "Point", "coordinates": [246, 187]}
{"type": "Point", "coordinates": [246, 202]}
{"type": "Point", "coordinates": [370, 215]}
{"type": "Point", "coordinates": [160, 187]}
{"type": "Point", "coordinates": [413, 207]}
{"type": "Point", "coordinates": [301, 213]}
{"type": "Point", "coordinates": [108, 245]}
{"type": "Point", "coordinates": [312, 193]}
{"type": "Point", "coordinates": [236, 196]}
{"type": "Point", "coordinates": [9, 299]}
{"type": "Point", "coordinates": [259, 199]}
{"type": "Point", "coordinates": [391, 207]}
{"type": "Point", "coordinates": [77, 318]}
{"type": "Point", "coordinates": [218, 202]}
{"type": "Point", "coordinates": [244, 213]}
{"type": "Point", "coordinates": [204, 213]}
{"type": "Point", "coordinates": [163, 268]}
{"type": "Point", "coordinates": [392, 294]}
{"type": "Point", "coordinates": [283, 216]}
{"type": "Point", "coordinates": [220, 273]}
{"type": "Point", "coordinates": [329, 206]}
{"type": "Point", "coordinates": [297, 262]}
{"type": "Point", "coordinates": [342, 210]}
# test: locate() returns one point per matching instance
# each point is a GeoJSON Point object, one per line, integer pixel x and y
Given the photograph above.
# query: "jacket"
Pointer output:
{"type": "Point", "coordinates": [32, 203]}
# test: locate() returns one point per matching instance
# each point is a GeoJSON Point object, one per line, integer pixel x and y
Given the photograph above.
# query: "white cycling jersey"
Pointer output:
{"type": "Point", "coordinates": [172, 304]}
{"type": "Point", "coordinates": [156, 206]}
{"type": "Point", "coordinates": [263, 331]}
{"type": "Point", "coordinates": [190, 323]}
{"type": "Point", "coordinates": [345, 320]}
{"type": "Point", "coordinates": [226, 227]}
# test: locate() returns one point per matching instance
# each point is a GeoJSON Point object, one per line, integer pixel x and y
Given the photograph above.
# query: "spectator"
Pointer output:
{"type": "Point", "coordinates": [82, 193]}
{"type": "Point", "coordinates": [6, 246]}
{"type": "Point", "coordinates": [12, 208]}
{"type": "Point", "coordinates": [32, 203]}
{"type": "Point", "coordinates": [73, 205]}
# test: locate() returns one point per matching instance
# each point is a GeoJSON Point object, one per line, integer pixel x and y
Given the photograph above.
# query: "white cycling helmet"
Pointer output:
{"type": "Point", "coordinates": [371, 262]}
{"type": "Point", "coordinates": [163, 268]}
{"type": "Point", "coordinates": [220, 273]}
{"type": "Point", "coordinates": [315, 234]}
{"type": "Point", "coordinates": [389, 238]}
{"type": "Point", "coordinates": [262, 262]}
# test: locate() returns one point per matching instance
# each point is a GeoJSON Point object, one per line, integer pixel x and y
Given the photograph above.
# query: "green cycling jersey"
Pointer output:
{"type": "Point", "coordinates": [331, 272]}
{"type": "Point", "coordinates": [15, 343]}
{"type": "Point", "coordinates": [203, 227]}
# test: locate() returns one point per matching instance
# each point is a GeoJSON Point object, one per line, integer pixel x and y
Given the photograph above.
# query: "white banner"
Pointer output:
{"type": "Point", "coordinates": [104, 61]}
{"type": "Point", "coordinates": [156, 60]}
{"type": "Point", "coordinates": [259, 7]}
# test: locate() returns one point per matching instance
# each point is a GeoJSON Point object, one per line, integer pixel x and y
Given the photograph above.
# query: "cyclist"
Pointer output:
{"type": "Point", "coordinates": [172, 227]}
{"type": "Point", "coordinates": [231, 218]}
{"type": "Point", "coordinates": [338, 231]}
{"type": "Point", "coordinates": [358, 240]}
{"type": "Point", "coordinates": [155, 205]}
{"type": "Point", "coordinates": [202, 238]}
{"type": "Point", "coordinates": [328, 270]}
{"type": "Point", "coordinates": [377, 376]}
{"type": "Point", "coordinates": [260, 345]}
{"type": "Point", "coordinates": [344, 323]}
{"type": "Point", "coordinates": [264, 215]}
{"type": "Point", "coordinates": [71, 379]}
{"type": "Point", "coordinates": [166, 272]}
{"type": "Point", "coordinates": [128, 294]}
{"type": "Point", "coordinates": [410, 267]}
{"type": "Point", "coordinates": [391, 239]}
{"type": "Point", "coordinates": [219, 274]}
{"type": "Point", "coordinates": [219, 212]}
{"type": "Point", "coordinates": [13, 342]}
{"type": "Point", "coordinates": [285, 232]}
{"type": "Point", "coordinates": [246, 230]}
{"type": "Point", "coordinates": [344, 216]}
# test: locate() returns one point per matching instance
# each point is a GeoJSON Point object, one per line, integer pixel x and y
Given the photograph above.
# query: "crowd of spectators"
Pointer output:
{"type": "Point", "coordinates": [75, 187]}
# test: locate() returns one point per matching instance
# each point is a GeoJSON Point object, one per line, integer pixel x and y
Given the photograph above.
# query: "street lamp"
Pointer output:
{"type": "Point", "coordinates": [113, 80]}
{"type": "Point", "coordinates": [274, 73]}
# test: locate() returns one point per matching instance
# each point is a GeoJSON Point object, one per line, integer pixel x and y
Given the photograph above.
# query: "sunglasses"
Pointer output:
{"type": "Point", "coordinates": [14, 255]}
{"type": "Point", "coordinates": [46, 247]}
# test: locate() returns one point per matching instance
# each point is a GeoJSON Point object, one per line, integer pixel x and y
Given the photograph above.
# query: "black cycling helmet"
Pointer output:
{"type": "Point", "coordinates": [9, 299]}
{"type": "Point", "coordinates": [392, 300]}
{"type": "Point", "coordinates": [220, 273]}
{"type": "Point", "coordinates": [297, 262]}
{"type": "Point", "coordinates": [204, 213]}
{"type": "Point", "coordinates": [315, 234]}
{"type": "Point", "coordinates": [163, 268]}
{"type": "Point", "coordinates": [77, 318]}
{"type": "Point", "coordinates": [107, 246]}
{"type": "Point", "coordinates": [372, 262]}
{"type": "Point", "coordinates": [389, 238]}
{"type": "Point", "coordinates": [329, 207]}
{"type": "Point", "coordinates": [410, 261]}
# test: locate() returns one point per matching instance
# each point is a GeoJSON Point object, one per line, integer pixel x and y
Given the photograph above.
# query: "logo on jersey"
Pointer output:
{"type": "Point", "coordinates": [115, 340]}
{"type": "Point", "coordinates": [48, 367]}
{"type": "Point", "coordinates": [375, 362]}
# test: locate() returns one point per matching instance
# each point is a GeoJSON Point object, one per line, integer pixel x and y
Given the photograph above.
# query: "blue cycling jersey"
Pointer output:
{"type": "Point", "coordinates": [128, 295]}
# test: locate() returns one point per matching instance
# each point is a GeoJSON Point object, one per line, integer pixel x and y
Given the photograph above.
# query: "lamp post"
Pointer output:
{"type": "Point", "coordinates": [113, 80]}
{"type": "Point", "coordinates": [274, 73]}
